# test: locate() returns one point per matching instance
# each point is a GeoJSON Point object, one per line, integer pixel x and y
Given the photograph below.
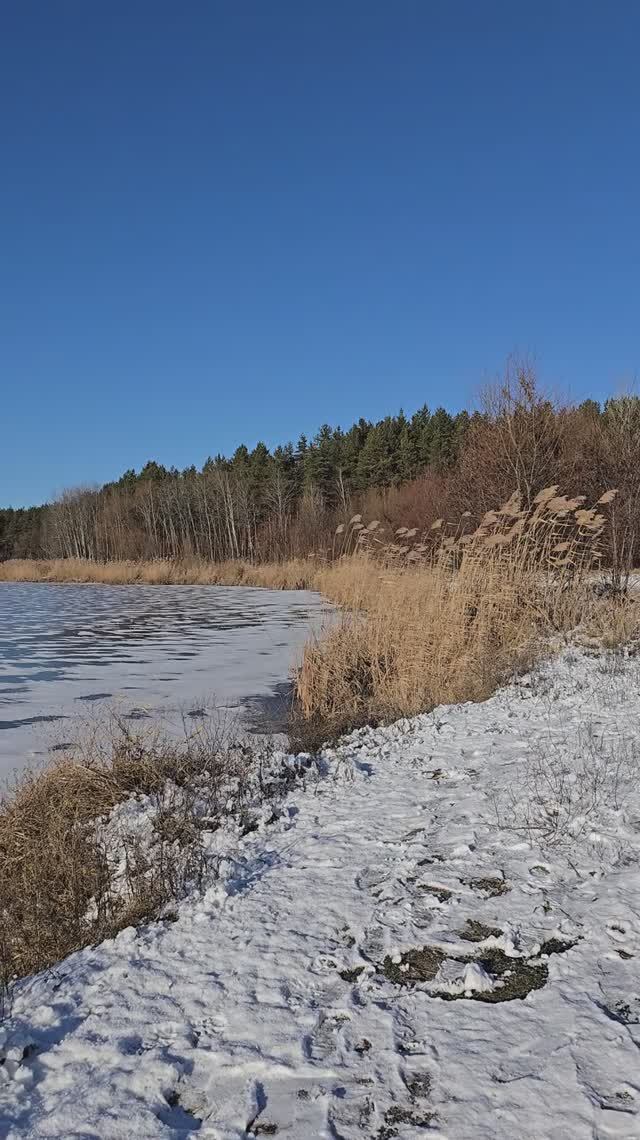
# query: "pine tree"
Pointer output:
{"type": "Point", "coordinates": [441, 447]}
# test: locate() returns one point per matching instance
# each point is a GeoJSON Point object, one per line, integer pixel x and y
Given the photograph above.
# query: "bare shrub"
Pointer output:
{"type": "Point", "coordinates": [520, 439]}
{"type": "Point", "coordinates": [563, 792]}
{"type": "Point", "coordinates": [616, 443]}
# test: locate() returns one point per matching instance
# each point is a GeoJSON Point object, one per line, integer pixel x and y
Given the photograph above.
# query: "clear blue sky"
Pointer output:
{"type": "Point", "coordinates": [231, 220]}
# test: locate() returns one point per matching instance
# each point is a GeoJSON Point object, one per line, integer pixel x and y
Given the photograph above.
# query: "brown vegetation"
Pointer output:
{"type": "Point", "coordinates": [69, 878]}
{"type": "Point", "coordinates": [293, 574]}
{"type": "Point", "coordinates": [446, 621]}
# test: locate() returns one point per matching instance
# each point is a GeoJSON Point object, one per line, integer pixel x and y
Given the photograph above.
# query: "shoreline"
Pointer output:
{"type": "Point", "coordinates": [291, 574]}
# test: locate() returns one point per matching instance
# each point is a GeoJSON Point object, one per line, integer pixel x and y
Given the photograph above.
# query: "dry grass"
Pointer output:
{"type": "Point", "coordinates": [69, 878]}
{"type": "Point", "coordinates": [447, 621]}
{"type": "Point", "coordinates": [294, 574]}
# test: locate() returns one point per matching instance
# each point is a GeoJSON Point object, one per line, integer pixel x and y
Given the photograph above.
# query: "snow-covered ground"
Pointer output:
{"type": "Point", "coordinates": [68, 650]}
{"type": "Point", "coordinates": [440, 936]}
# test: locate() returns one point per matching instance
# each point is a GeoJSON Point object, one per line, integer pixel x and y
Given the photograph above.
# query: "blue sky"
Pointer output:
{"type": "Point", "coordinates": [231, 220]}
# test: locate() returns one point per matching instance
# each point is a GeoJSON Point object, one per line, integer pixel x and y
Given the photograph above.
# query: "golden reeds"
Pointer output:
{"type": "Point", "coordinates": [445, 617]}
{"type": "Point", "coordinates": [293, 574]}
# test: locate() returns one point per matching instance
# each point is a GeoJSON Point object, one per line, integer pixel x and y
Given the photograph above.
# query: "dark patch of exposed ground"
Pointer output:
{"type": "Point", "coordinates": [474, 931]}
{"type": "Point", "coordinates": [517, 977]}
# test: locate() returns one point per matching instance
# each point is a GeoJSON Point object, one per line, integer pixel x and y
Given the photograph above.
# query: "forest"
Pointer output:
{"type": "Point", "coordinates": [266, 505]}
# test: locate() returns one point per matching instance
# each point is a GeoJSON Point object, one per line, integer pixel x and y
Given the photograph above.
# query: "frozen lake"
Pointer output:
{"type": "Point", "coordinates": [67, 650]}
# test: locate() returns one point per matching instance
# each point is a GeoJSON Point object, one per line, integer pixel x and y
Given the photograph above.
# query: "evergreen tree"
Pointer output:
{"type": "Point", "coordinates": [441, 447]}
{"type": "Point", "coordinates": [154, 472]}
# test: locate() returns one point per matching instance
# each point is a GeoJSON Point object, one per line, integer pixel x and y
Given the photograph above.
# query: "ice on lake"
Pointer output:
{"type": "Point", "coordinates": [68, 650]}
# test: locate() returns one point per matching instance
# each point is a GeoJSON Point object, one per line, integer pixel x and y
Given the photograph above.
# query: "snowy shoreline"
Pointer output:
{"type": "Point", "coordinates": [356, 969]}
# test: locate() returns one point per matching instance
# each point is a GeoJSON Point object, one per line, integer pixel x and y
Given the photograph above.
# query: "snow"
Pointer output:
{"type": "Point", "coordinates": [339, 976]}
{"type": "Point", "coordinates": [66, 651]}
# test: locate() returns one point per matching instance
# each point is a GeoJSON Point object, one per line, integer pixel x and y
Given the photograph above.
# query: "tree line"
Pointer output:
{"type": "Point", "coordinates": [254, 502]}
{"type": "Point", "coordinates": [263, 504]}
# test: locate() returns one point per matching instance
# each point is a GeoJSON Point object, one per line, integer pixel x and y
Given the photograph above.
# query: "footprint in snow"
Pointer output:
{"type": "Point", "coordinates": [417, 1083]}
{"type": "Point", "coordinates": [324, 1039]}
{"type": "Point", "coordinates": [184, 1113]}
{"type": "Point", "coordinates": [372, 945]}
{"type": "Point", "coordinates": [371, 877]}
{"type": "Point", "coordinates": [351, 1114]}
{"type": "Point", "coordinates": [259, 1124]}
{"type": "Point", "coordinates": [617, 931]}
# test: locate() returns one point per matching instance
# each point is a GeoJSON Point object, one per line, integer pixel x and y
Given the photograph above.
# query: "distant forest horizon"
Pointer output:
{"type": "Point", "coordinates": [271, 504]}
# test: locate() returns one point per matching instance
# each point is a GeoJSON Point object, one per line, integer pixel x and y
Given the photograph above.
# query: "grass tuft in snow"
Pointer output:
{"type": "Point", "coordinates": [106, 836]}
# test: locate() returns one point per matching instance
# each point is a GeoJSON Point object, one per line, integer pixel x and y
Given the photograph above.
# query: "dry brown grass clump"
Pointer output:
{"type": "Point", "coordinates": [293, 574]}
{"type": "Point", "coordinates": [67, 879]}
{"type": "Point", "coordinates": [447, 618]}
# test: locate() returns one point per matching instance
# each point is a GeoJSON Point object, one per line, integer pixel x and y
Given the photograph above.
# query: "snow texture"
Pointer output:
{"type": "Point", "coordinates": [440, 937]}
